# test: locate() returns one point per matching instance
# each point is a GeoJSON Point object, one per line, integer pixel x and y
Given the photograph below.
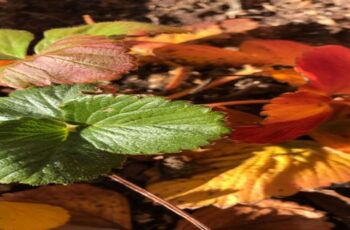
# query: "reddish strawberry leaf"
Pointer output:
{"type": "Point", "coordinates": [277, 132]}
{"type": "Point", "coordinates": [289, 116]}
{"type": "Point", "coordinates": [327, 68]}
{"type": "Point", "coordinates": [77, 59]}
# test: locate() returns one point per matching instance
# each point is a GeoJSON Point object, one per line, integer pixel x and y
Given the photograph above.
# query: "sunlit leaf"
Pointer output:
{"type": "Point", "coordinates": [288, 116]}
{"type": "Point", "coordinates": [205, 30]}
{"type": "Point", "coordinates": [61, 135]}
{"type": "Point", "coordinates": [327, 68]}
{"type": "Point", "coordinates": [78, 59]}
{"type": "Point", "coordinates": [130, 125]}
{"type": "Point", "coordinates": [276, 52]}
{"type": "Point", "coordinates": [87, 205]}
{"type": "Point", "coordinates": [264, 215]}
{"type": "Point", "coordinates": [15, 215]}
{"type": "Point", "coordinates": [229, 173]}
{"type": "Point", "coordinates": [14, 43]}
{"type": "Point", "coordinates": [116, 28]}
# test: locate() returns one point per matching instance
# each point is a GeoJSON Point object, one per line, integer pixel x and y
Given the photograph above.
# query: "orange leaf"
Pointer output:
{"type": "Point", "coordinates": [296, 106]}
{"type": "Point", "coordinates": [229, 173]}
{"type": "Point", "coordinates": [76, 59]}
{"type": "Point", "coordinates": [284, 75]}
{"type": "Point", "coordinates": [327, 68]}
{"type": "Point", "coordinates": [204, 55]}
{"type": "Point", "coordinates": [276, 52]}
{"type": "Point", "coordinates": [264, 215]}
{"type": "Point", "coordinates": [288, 116]}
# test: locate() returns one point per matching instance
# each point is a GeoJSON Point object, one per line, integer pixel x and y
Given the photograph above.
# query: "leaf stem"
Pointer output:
{"type": "Point", "coordinates": [158, 200]}
{"type": "Point", "coordinates": [240, 102]}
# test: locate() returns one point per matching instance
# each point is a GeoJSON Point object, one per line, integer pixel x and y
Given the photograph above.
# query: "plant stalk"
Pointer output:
{"type": "Point", "coordinates": [158, 200]}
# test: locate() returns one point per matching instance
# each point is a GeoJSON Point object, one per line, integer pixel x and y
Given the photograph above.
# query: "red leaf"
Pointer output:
{"type": "Point", "coordinates": [327, 68]}
{"type": "Point", "coordinates": [289, 116]}
{"type": "Point", "coordinates": [77, 59]}
{"type": "Point", "coordinates": [277, 132]}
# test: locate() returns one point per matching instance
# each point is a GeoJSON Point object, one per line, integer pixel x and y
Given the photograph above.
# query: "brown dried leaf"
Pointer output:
{"type": "Point", "coordinates": [87, 205]}
{"type": "Point", "coordinates": [264, 215]}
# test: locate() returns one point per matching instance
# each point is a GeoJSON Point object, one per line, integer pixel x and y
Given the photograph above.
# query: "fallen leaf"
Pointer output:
{"type": "Point", "coordinates": [17, 216]}
{"type": "Point", "coordinates": [289, 116]}
{"type": "Point", "coordinates": [327, 68]}
{"type": "Point", "coordinates": [78, 59]}
{"type": "Point", "coordinates": [296, 106]}
{"type": "Point", "coordinates": [87, 205]}
{"type": "Point", "coordinates": [275, 52]}
{"type": "Point", "coordinates": [204, 55]}
{"type": "Point", "coordinates": [230, 173]}
{"type": "Point", "coordinates": [288, 75]}
{"type": "Point", "coordinates": [334, 203]}
{"type": "Point", "coordinates": [334, 133]}
{"type": "Point", "coordinates": [264, 215]}
{"type": "Point", "coordinates": [206, 30]}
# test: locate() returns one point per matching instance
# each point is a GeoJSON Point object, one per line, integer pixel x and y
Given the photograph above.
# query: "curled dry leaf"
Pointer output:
{"type": "Point", "coordinates": [76, 59]}
{"type": "Point", "coordinates": [206, 30]}
{"type": "Point", "coordinates": [29, 216]}
{"type": "Point", "coordinates": [327, 68]}
{"type": "Point", "coordinates": [276, 52]}
{"type": "Point", "coordinates": [230, 173]}
{"type": "Point", "coordinates": [288, 116]}
{"type": "Point", "coordinates": [204, 55]}
{"type": "Point", "coordinates": [264, 215]}
{"type": "Point", "coordinates": [87, 205]}
{"type": "Point", "coordinates": [335, 133]}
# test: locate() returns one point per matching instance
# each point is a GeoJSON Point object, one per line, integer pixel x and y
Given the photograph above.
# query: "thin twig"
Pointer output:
{"type": "Point", "coordinates": [213, 84]}
{"type": "Point", "coordinates": [240, 102]}
{"type": "Point", "coordinates": [178, 75]}
{"type": "Point", "coordinates": [88, 19]}
{"type": "Point", "coordinates": [158, 200]}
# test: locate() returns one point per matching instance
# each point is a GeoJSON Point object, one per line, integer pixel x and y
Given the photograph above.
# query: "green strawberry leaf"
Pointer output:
{"type": "Point", "coordinates": [116, 28]}
{"type": "Point", "coordinates": [40, 102]}
{"type": "Point", "coordinates": [130, 125]}
{"type": "Point", "coordinates": [42, 151]}
{"type": "Point", "coordinates": [59, 134]}
{"type": "Point", "coordinates": [14, 43]}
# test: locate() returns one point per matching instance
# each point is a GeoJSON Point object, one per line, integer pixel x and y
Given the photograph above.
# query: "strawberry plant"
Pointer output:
{"type": "Point", "coordinates": [58, 128]}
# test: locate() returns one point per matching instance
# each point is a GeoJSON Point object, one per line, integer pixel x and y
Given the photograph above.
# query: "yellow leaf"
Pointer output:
{"type": "Point", "coordinates": [20, 216]}
{"type": "Point", "coordinates": [229, 173]}
{"type": "Point", "coordinates": [88, 205]}
{"type": "Point", "coordinates": [264, 215]}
